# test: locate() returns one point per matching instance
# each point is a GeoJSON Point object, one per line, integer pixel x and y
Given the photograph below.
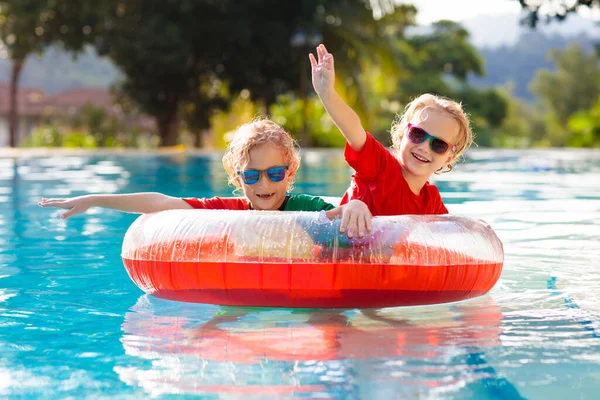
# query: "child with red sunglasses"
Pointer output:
{"type": "Point", "coordinates": [431, 134]}
{"type": "Point", "coordinates": [261, 161]}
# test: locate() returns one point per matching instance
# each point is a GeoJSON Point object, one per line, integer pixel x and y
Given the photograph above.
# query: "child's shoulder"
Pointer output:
{"type": "Point", "coordinates": [303, 196]}
{"type": "Point", "coordinates": [307, 202]}
{"type": "Point", "coordinates": [219, 203]}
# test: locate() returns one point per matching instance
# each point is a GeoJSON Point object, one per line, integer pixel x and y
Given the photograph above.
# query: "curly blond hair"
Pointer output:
{"type": "Point", "coordinates": [256, 132]}
{"type": "Point", "coordinates": [439, 103]}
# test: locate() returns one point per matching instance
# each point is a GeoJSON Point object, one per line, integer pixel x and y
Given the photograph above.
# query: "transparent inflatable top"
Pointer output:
{"type": "Point", "coordinates": [308, 237]}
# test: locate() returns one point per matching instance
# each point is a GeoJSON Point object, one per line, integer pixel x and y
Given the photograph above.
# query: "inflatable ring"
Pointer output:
{"type": "Point", "coordinates": [299, 259]}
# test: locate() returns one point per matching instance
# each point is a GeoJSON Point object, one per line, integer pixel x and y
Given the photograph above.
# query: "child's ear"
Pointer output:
{"type": "Point", "coordinates": [291, 174]}
{"type": "Point", "coordinates": [290, 180]}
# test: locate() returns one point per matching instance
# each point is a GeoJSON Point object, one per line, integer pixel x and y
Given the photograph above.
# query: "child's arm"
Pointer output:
{"type": "Point", "coordinates": [323, 78]}
{"type": "Point", "coordinates": [356, 217]}
{"type": "Point", "coordinates": [140, 203]}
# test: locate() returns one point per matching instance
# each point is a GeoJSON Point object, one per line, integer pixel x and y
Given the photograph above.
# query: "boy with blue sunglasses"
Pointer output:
{"type": "Point", "coordinates": [431, 134]}
{"type": "Point", "coordinates": [261, 161]}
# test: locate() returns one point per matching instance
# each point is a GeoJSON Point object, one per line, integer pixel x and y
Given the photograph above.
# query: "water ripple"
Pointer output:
{"type": "Point", "coordinates": [73, 325]}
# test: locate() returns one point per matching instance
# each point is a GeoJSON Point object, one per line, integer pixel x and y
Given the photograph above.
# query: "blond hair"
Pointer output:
{"type": "Point", "coordinates": [256, 132]}
{"type": "Point", "coordinates": [439, 103]}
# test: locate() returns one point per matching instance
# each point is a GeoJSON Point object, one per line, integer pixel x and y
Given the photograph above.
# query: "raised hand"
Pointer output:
{"type": "Point", "coordinates": [356, 218]}
{"type": "Point", "coordinates": [323, 71]}
{"type": "Point", "coordinates": [75, 205]}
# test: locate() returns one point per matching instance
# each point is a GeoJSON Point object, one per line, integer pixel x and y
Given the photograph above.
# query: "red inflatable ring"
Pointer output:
{"type": "Point", "coordinates": [297, 259]}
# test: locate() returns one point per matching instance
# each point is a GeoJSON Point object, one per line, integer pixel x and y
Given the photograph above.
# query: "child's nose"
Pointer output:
{"type": "Point", "coordinates": [424, 145]}
{"type": "Point", "coordinates": [263, 179]}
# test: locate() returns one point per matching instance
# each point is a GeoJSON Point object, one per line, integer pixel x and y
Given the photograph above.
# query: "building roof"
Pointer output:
{"type": "Point", "coordinates": [99, 97]}
{"type": "Point", "coordinates": [30, 101]}
{"type": "Point", "coordinates": [33, 102]}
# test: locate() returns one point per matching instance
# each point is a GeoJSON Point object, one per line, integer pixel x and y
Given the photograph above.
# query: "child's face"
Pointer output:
{"type": "Point", "coordinates": [266, 194]}
{"type": "Point", "coordinates": [419, 160]}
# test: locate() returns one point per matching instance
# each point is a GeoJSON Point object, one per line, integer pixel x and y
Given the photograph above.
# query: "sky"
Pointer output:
{"type": "Point", "coordinates": [459, 10]}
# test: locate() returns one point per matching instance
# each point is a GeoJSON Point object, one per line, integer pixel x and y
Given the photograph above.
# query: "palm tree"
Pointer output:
{"type": "Point", "coordinates": [367, 43]}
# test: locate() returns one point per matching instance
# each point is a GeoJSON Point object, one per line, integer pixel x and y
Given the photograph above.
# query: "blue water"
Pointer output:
{"type": "Point", "coordinates": [73, 325]}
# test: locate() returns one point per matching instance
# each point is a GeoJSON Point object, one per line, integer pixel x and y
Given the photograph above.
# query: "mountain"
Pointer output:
{"type": "Point", "coordinates": [518, 63]}
{"type": "Point", "coordinates": [513, 52]}
{"type": "Point", "coordinates": [505, 30]}
{"type": "Point", "coordinates": [56, 71]}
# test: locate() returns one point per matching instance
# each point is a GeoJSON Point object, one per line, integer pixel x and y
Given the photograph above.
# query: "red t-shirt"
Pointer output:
{"type": "Point", "coordinates": [378, 181]}
{"type": "Point", "coordinates": [219, 203]}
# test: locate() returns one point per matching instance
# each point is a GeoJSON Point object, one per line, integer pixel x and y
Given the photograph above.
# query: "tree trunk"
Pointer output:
{"type": "Point", "coordinates": [17, 66]}
{"type": "Point", "coordinates": [305, 138]}
{"type": "Point", "coordinates": [168, 128]}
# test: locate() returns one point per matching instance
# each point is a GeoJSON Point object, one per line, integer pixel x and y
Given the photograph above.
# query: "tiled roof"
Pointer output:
{"type": "Point", "coordinates": [34, 102]}
{"type": "Point", "coordinates": [30, 101]}
{"type": "Point", "coordinates": [80, 97]}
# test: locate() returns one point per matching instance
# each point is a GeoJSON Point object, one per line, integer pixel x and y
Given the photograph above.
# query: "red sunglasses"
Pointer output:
{"type": "Point", "coordinates": [418, 135]}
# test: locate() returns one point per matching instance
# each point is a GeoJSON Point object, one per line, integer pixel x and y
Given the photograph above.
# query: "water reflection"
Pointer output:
{"type": "Point", "coordinates": [306, 350]}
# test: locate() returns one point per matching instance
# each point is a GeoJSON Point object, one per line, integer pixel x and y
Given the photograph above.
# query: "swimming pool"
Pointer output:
{"type": "Point", "coordinates": [72, 324]}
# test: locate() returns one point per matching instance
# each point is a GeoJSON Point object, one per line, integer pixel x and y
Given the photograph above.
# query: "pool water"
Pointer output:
{"type": "Point", "coordinates": [73, 325]}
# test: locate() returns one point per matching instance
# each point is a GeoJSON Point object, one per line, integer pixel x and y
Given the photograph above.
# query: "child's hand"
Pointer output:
{"type": "Point", "coordinates": [355, 217]}
{"type": "Point", "coordinates": [76, 205]}
{"type": "Point", "coordinates": [323, 71]}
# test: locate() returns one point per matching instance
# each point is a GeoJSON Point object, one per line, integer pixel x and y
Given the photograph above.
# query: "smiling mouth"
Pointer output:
{"type": "Point", "coordinates": [418, 157]}
{"type": "Point", "coordinates": [265, 196]}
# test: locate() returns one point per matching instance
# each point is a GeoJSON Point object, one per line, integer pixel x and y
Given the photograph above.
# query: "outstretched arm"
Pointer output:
{"type": "Point", "coordinates": [323, 79]}
{"type": "Point", "coordinates": [139, 203]}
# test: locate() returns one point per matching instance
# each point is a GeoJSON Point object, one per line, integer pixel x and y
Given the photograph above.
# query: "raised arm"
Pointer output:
{"type": "Point", "coordinates": [138, 203]}
{"type": "Point", "coordinates": [323, 79]}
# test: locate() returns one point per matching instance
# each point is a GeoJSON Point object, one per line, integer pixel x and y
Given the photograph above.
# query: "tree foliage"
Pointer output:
{"type": "Point", "coordinates": [368, 51]}
{"type": "Point", "coordinates": [548, 10]}
{"type": "Point", "coordinates": [184, 60]}
{"type": "Point", "coordinates": [28, 26]}
{"type": "Point", "coordinates": [585, 128]}
{"type": "Point", "coordinates": [573, 86]}
{"type": "Point", "coordinates": [164, 51]}
{"type": "Point", "coordinates": [184, 57]}
{"type": "Point", "coordinates": [440, 62]}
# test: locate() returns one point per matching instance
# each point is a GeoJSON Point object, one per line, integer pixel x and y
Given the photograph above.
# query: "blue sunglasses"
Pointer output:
{"type": "Point", "coordinates": [252, 176]}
